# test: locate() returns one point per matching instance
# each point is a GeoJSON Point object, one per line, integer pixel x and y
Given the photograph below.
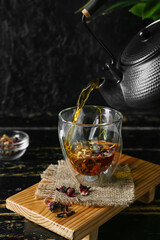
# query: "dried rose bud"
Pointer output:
{"type": "Point", "coordinates": [84, 190]}
{"type": "Point", "coordinates": [70, 192]}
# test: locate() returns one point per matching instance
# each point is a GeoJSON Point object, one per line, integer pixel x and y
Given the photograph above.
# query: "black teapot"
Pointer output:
{"type": "Point", "coordinates": [134, 80]}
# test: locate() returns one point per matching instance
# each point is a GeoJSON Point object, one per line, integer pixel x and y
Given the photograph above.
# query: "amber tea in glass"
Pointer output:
{"type": "Point", "coordinates": [90, 158]}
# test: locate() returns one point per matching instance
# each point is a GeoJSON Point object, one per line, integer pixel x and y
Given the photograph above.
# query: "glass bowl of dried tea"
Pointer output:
{"type": "Point", "coordinates": [13, 144]}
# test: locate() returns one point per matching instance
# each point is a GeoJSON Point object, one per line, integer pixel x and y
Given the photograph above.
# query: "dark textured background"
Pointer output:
{"type": "Point", "coordinates": [47, 57]}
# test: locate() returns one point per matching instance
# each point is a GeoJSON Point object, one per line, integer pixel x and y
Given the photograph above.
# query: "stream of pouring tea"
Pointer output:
{"type": "Point", "coordinates": [84, 95]}
{"type": "Point", "coordinates": [88, 157]}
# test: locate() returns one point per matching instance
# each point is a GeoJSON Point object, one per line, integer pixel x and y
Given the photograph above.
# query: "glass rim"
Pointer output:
{"type": "Point", "coordinates": [90, 125]}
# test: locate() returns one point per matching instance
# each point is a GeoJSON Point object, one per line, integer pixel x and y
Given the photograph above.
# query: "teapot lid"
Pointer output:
{"type": "Point", "coordinates": [143, 46]}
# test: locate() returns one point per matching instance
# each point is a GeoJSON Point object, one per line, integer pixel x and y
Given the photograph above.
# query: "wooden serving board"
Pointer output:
{"type": "Point", "coordinates": [85, 222]}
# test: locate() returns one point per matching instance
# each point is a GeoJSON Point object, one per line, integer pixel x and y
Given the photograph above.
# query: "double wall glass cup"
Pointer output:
{"type": "Point", "coordinates": [93, 144]}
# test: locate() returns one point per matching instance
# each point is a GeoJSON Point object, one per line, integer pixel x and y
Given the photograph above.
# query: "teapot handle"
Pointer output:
{"type": "Point", "coordinates": [112, 60]}
{"type": "Point", "coordinates": [116, 73]}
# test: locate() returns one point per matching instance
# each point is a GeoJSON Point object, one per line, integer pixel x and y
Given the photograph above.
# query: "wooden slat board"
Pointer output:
{"type": "Point", "coordinates": [146, 176]}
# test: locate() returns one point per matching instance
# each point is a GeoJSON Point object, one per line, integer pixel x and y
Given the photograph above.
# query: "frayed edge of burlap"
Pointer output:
{"type": "Point", "coordinates": [45, 190]}
{"type": "Point", "coordinates": [46, 187]}
{"type": "Point", "coordinates": [50, 173]}
{"type": "Point", "coordinates": [118, 191]}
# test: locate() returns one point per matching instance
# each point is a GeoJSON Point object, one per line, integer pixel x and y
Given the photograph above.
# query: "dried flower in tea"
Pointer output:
{"type": "Point", "coordinates": [91, 157]}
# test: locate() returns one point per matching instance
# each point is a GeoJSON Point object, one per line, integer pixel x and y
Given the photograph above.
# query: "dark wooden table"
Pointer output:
{"type": "Point", "coordinates": [141, 138]}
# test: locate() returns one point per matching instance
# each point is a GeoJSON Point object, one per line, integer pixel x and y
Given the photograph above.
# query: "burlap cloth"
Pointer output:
{"type": "Point", "coordinates": [118, 191]}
